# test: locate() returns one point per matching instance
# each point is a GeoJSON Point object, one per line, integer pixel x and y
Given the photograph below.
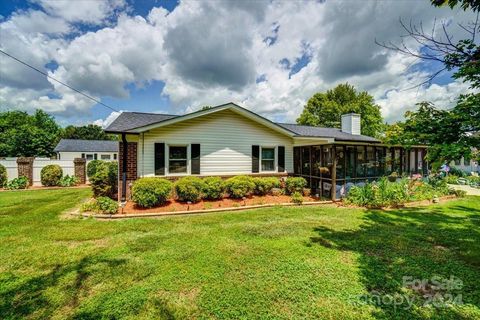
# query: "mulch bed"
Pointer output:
{"type": "Point", "coordinates": [175, 205]}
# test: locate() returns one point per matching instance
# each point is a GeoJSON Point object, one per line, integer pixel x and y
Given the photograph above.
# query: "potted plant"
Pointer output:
{"type": "Point", "coordinates": [393, 177]}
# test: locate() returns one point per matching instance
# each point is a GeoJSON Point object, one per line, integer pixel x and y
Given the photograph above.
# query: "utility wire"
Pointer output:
{"type": "Point", "coordinates": [62, 83]}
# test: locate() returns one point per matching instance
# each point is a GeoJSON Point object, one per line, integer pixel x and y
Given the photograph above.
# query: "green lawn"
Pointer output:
{"type": "Point", "coordinates": [306, 262]}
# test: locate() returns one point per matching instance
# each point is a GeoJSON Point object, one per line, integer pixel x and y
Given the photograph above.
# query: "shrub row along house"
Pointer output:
{"type": "Point", "coordinates": [229, 140]}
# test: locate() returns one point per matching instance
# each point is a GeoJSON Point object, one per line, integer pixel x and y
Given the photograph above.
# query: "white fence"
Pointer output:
{"type": "Point", "coordinates": [12, 170]}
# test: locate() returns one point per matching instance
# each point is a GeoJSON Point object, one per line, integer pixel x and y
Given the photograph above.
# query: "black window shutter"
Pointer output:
{"type": "Point", "coordinates": [255, 158]}
{"type": "Point", "coordinates": [95, 156]}
{"type": "Point", "coordinates": [159, 159]}
{"type": "Point", "coordinates": [281, 158]}
{"type": "Point", "coordinates": [195, 162]}
{"type": "Point", "coordinates": [83, 155]}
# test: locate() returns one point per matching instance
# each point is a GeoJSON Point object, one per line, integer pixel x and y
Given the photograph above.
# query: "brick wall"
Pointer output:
{"type": "Point", "coordinates": [80, 169]}
{"type": "Point", "coordinates": [131, 166]}
{"type": "Point", "coordinates": [25, 168]}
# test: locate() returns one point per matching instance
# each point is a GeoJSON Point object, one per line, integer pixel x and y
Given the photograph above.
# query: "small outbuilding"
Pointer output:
{"type": "Point", "coordinates": [69, 149]}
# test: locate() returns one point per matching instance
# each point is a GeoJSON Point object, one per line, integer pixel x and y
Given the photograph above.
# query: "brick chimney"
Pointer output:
{"type": "Point", "coordinates": [351, 123]}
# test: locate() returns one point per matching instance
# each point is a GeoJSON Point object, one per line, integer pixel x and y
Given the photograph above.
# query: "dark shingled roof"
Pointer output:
{"type": "Point", "coordinates": [71, 145]}
{"type": "Point", "coordinates": [337, 134]}
{"type": "Point", "coordinates": [127, 121]}
{"type": "Point", "coordinates": [130, 120]}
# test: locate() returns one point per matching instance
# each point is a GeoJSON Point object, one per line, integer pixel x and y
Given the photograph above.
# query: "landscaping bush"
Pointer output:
{"type": "Point", "coordinates": [457, 172]}
{"type": "Point", "coordinates": [149, 192]}
{"type": "Point", "coordinates": [103, 205]}
{"type": "Point", "coordinates": [68, 181]}
{"type": "Point", "coordinates": [385, 193]}
{"type": "Point", "coordinates": [297, 197]}
{"type": "Point", "coordinates": [51, 175]}
{"type": "Point", "coordinates": [107, 205]}
{"type": "Point", "coordinates": [240, 186]}
{"type": "Point", "coordinates": [460, 193]}
{"type": "Point", "coordinates": [295, 184]}
{"type": "Point", "coordinates": [3, 176]}
{"type": "Point", "coordinates": [265, 185]}
{"type": "Point", "coordinates": [104, 181]}
{"type": "Point", "coordinates": [189, 189]}
{"type": "Point", "coordinates": [92, 167]}
{"type": "Point", "coordinates": [451, 179]}
{"type": "Point", "coordinates": [214, 188]}
{"type": "Point", "coordinates": [17, 183]}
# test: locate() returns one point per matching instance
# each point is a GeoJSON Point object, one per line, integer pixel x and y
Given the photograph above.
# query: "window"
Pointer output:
{"type": "Point", "coordinates": [89, 157]}
{"type": "Point", "coordinates": [177, 159]}
{"type": "Point", "coordinates": [268, 159]}
{"type": "Point", "coordinates": [105, 157]}
{"type": "Point", "coordinates": [306, 161]}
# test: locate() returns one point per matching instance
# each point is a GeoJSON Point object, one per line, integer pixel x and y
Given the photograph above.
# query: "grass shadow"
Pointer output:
{"type": "Point", "coordinates": [23, 299]}
{"type": "Point", "coordinates": [420, 243]}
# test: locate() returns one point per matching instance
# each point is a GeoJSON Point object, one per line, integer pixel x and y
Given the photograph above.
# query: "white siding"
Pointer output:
{"type": "Point", "coordinates": [72, 155]}
{"type": "Point", "coordinates": [225, 139]}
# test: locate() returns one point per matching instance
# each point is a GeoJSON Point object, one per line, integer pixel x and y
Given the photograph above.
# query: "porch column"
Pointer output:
{"type": "Point", "coordinates": [334, 174]}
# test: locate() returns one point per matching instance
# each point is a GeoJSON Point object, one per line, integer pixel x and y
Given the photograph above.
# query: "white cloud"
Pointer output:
{"type": "Point", "coordinates": [86, 11]}
{"type": "Point", "coordinates": [211, 53]}
{"type": "Point", "coordinates": [109, 119]}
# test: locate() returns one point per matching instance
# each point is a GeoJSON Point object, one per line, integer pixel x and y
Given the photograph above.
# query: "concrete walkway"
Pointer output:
{"type": "Point", "coordinates": [470, 191]}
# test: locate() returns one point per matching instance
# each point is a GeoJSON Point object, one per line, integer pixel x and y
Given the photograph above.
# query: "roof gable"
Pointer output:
{"type": "Point", "coordinates": [150, 121]}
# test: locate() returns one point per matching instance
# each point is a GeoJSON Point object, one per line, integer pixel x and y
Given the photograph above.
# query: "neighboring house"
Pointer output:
{"type": "Point", "coordinates": [69, 149]}
{"type": "Point", "coordinates": [229, 140]}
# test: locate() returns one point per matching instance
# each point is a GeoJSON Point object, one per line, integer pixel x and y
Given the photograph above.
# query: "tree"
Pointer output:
{"type": "Point", "coordinates": [88, 132]}
{"type": "Point", "coordinates": [206, 108]}
{"type": "Point", "coordinates": [452, 133]}
{"type": "Point", "coordinates": [27, 135]}
{"type": "Point", "coordinates": [326, 108]}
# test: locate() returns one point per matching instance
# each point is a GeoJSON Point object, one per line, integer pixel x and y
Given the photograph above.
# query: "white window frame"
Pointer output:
{"type": "Point", "coordinates": [167, 159]}
{"type": "Point", "coordinates": [106, 155]}
{"type": "Point", "coordinates": [275, 158]}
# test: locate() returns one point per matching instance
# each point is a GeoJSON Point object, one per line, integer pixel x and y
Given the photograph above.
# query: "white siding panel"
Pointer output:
{"type": "Point", "coordinates": [226, 140]}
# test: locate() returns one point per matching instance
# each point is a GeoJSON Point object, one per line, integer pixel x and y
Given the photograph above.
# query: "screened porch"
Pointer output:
{"type": "Point", "coordinates": [332, 169]}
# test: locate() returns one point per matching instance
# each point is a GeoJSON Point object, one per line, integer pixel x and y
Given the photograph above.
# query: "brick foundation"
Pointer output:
{"type": "Point", "coordinates": [80, 165]}
{"type": "Point", "coordinates": [131, 167]}
{"type": "Point", "coordinates": [25, 168]}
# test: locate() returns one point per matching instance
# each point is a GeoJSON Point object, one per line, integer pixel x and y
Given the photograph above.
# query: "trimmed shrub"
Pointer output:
{"type": "Point", "coordinates": [92, 167]}
{"type": "Point", "coordinates": [189, 189]}
{"type": "Point", "coordinates": [295, 184]}
{"type": "Point", "coordinates": [68, 181]}
{"type": "Point", "coordinates": [214, 188]}
{"type": "Point", "coordinates": [104, 181]}
{"type": "Point", "coordinates": [51, 175]}
{"type": "Point", "coordinates": [17, 183]}
{"type": "Point", "coordinates": [149, 192]}
{"type": "Point", "coordinates": [265, 185]}
{"type": "Point", "coordinates": [240, 186]}
{"type": "Point", "coordinates": [297, 197]}
{"type": "Point", "coordinates": [3, 176]}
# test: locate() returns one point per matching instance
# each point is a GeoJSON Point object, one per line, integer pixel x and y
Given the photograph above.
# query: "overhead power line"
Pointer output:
{"type": "Point", "coordinates": [62, 83]}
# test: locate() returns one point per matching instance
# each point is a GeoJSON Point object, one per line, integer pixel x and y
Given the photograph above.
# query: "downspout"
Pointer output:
{"type": "Point", "coordinates": [124, 167]}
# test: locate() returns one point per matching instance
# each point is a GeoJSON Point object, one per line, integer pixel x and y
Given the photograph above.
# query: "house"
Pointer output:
{"type": "Point", "coordinates": [69, 149]}
{"type": "Point", "coordinates": [229, 140]}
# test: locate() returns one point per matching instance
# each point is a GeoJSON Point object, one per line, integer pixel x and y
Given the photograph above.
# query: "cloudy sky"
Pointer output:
{"type": "Point", "coordinates": [173, 57]}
